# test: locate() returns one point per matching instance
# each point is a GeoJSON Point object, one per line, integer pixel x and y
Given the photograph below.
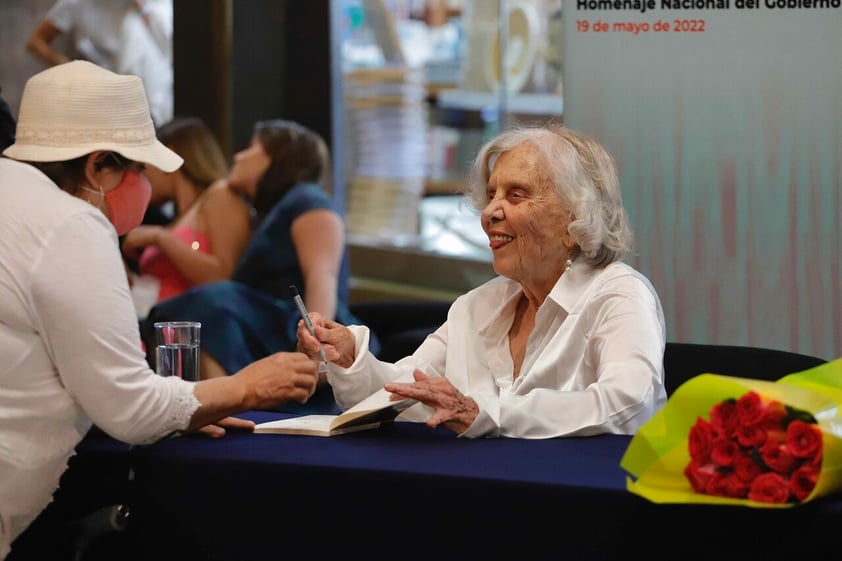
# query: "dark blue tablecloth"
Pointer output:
{"type": "Point", "coordinates": [403, 487]}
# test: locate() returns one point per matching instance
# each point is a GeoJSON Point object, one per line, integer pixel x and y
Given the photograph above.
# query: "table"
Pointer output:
{"type": "Point", "coordinates": [406, 491]}
{"type": "Point", "coordinates": [397, 491]}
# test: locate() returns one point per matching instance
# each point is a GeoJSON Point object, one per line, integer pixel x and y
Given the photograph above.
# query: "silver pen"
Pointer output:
{"type": "Point", "coordinates": [302, 309]}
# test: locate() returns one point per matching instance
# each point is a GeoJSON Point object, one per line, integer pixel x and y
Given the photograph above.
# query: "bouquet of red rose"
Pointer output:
{"type": "Point", "coordinates": [723, 439]}
{"type": "Point", "coordinates": [756, 449]}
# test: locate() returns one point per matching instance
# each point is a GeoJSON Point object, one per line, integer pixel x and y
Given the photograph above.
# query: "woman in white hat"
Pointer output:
{"type": "Point", "coordinates": [70, 352]}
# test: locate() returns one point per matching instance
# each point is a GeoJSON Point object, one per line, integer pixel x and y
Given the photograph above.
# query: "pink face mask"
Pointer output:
{"type": "Point", "coordinates": [127, 202]}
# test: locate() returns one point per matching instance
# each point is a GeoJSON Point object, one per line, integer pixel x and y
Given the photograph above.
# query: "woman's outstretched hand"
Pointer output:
{"type": "Point", "coordinates": [452, 408]}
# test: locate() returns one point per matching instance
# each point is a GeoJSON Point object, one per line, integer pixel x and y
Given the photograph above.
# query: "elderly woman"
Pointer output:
{"type": "Point", "coordinates": [567, 341]}
{"type": "Point", "coordinates": [70, 352]}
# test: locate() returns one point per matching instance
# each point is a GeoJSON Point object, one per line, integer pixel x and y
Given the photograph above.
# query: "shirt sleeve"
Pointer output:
{"type": "Point", "coordinates": [368, 374]}
{"type": "Point", "coordinates": [61, 14]}
{"type": "Point", "coordinates": [87, 322]}
{"type": "Point", "coordinates": [159, 20]}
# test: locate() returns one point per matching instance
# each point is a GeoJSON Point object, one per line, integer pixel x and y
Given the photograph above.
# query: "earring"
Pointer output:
{"type": "Point", "coordinates": [569, 266]}
{"type": "Point", "coordinates": [101, 192]}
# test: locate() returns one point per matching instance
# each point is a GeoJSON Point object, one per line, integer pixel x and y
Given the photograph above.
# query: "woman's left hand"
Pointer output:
{"type": "Point", "coordinates": [452, 408]}
{"type": "Point", "coordinates": [218, 429]}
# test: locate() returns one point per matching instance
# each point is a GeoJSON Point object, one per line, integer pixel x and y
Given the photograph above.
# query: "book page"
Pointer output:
{"type": "Point", "coordinates": [318, 423]}
{"type": "Point", "coordinates": [377, 402]}
{"type": "Point", "coordinates": [367, 414]}
{"type": "Point", "coordinates": [313, 425]}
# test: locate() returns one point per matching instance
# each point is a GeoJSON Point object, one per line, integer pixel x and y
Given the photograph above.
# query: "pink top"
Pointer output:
{"type": "Point", "coordinates": [154, 262]}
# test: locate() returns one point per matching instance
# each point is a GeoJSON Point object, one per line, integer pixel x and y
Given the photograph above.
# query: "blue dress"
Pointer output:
{"type": "Point", "coordinates": [253, 315]}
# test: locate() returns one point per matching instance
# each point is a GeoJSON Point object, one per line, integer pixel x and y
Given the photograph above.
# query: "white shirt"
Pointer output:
{"type": "Point", "coordinates": [593, 363]}
{"type": "Point", "coordinates": [112, 34]}
{"type": "Point", "coordinates": [70, 348]}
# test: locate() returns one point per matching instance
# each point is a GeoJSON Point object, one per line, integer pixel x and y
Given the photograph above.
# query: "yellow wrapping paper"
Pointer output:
{"type": "Point", "coordinates": [658, 453]}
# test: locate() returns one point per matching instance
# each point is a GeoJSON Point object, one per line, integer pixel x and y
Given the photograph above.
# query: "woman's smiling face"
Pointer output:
{"type": "Point", "coordinates": [525, 219]}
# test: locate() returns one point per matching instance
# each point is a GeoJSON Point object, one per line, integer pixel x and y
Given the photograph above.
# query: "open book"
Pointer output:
{"type": "Point", "coordinates": [370, 413]}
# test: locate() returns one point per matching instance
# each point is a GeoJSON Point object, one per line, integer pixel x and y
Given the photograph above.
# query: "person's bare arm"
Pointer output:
{"type": "Point", "coordinates": [319, 239]}
{"type": "Point", "coordinates": [225, 220]}
{"type": "Point", "coordinates": [263, 384]}
{"type": "Point", "coordinates": [39, 43]}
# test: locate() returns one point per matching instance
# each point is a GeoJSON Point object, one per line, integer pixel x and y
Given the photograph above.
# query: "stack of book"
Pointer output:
{"type": "Point", "coordinates": [386, 151]}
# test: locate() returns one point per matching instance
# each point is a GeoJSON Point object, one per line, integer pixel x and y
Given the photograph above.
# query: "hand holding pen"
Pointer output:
{"type": "Point", "coordinates": [305, 315]}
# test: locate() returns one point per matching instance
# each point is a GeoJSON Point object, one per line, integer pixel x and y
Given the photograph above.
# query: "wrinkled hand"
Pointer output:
{"type": "Point", "coordinates": [452, 408]}
{"type": "Point", "coordinates": [218, 429]}
{"type": "Point", "coordinates": [138, 238]}
{"type": "Point", "coordinates": [336, 339]}
{"type": "Point", "coordinates": [277, 379]}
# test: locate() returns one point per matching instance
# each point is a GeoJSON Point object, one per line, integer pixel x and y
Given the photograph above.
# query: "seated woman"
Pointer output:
{"type": "Point", "coordinates": [567, 341]}
{"type": "Point", "coordinates": [211, 225]}
{"type": "Point", "coordinates": [298, 239]}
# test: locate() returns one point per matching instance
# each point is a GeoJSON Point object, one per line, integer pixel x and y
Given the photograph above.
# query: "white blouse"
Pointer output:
{"type": "Point", "coordinates": [593, 363]}
{"type": "Point", "coordinates": [70, 350]}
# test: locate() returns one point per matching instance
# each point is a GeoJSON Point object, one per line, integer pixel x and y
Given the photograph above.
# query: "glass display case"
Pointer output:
{"type": "Point", "coordinates": [423, 84]}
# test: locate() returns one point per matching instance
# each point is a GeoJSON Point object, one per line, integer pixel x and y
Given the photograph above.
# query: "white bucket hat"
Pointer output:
{"type": "Point", "coordinates": [77, 108]}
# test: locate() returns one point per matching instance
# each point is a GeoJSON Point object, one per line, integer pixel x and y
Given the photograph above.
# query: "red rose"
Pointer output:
{"type": "Point", "coordinates": [723, 417]}
{"type": "Point", "coordinates": [698, 474]}
{"type": "Point", "coordinates": [723, 452]}
{"type": "Point", "coordinates": [726, 484]}
{"type": "Point", "coordinates": [769, 488]}
{"type": "Point", "coordinates": [774, 415]}
{"type": "Point", "coordinates": [750, 408]}
{"type": "Point", "coordinates": [775, 437]}
{"type": "Point", "coordinates": [700, 441]}
{"type": "Point", "coordinates": [803, 481]}
{"type": "Point", "coordinates": [804, 440]}
{"type": "Point", "coordinates": [746, 468]}
{"type": "Point", "coordinates": [750, 435]}
{"type": "Point", "coordinates": [778, 458]}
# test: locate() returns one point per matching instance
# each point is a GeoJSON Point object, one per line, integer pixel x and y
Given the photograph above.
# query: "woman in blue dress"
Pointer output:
{"type": "Point", "coordinates": [298, 239]}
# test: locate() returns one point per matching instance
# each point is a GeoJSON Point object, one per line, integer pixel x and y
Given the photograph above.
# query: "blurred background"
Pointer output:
{"type": "Point", "coordinates": [727, 130]}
